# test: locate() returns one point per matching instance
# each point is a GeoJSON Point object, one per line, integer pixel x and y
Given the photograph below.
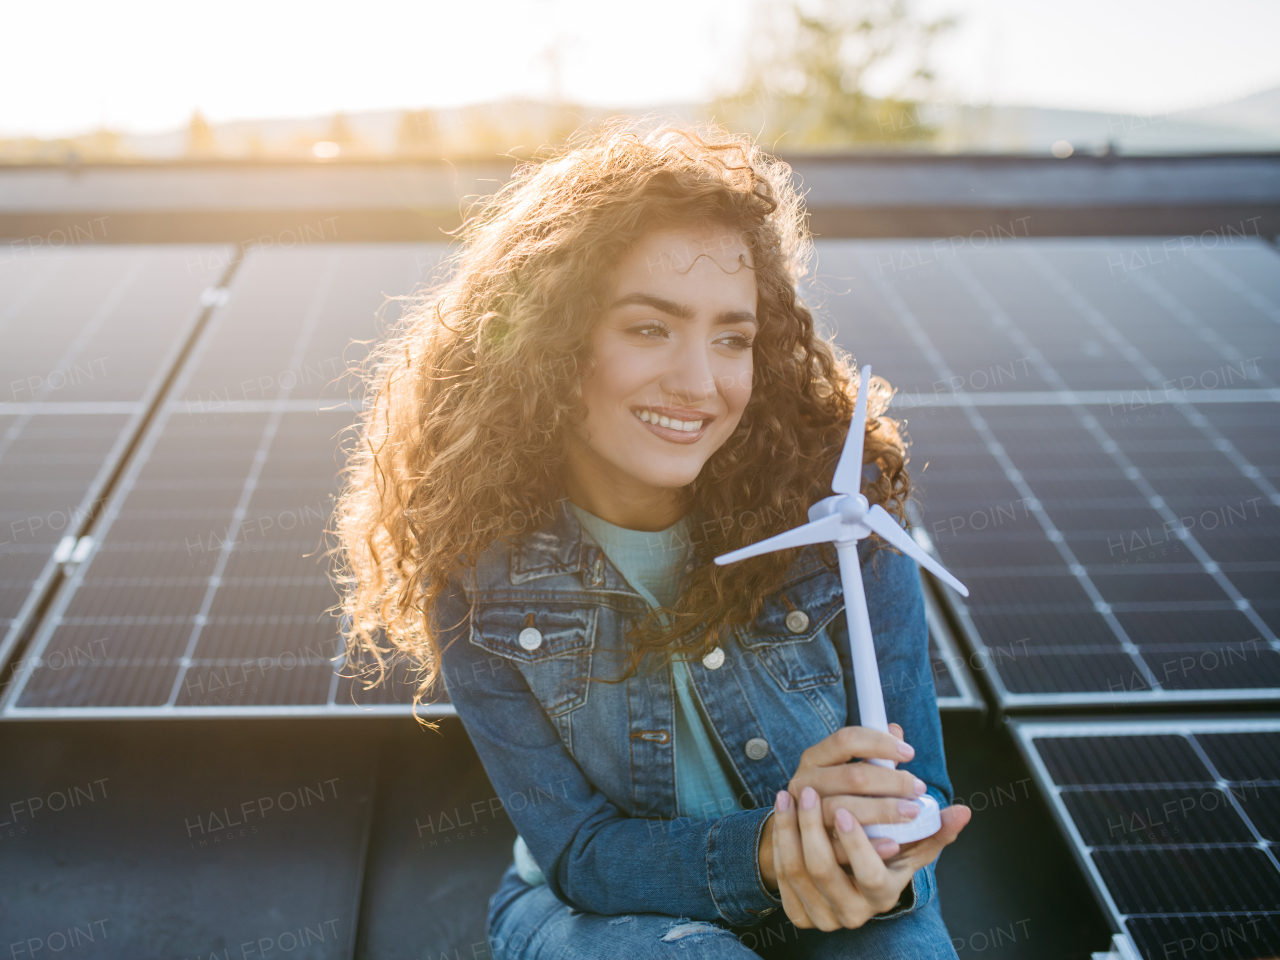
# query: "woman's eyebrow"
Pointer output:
{"type": "Point", "coordinates": [737, 316]}
{"type": "Point", "coordinates": [669, 307]}
{"type": "Point", "coordinates": [673, 309]}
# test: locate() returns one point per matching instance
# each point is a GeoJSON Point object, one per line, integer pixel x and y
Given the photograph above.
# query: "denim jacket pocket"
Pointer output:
{"type": "Point", "coordinates": [550, 644]}
{"type": "Point", "coordinates": [789, 636]}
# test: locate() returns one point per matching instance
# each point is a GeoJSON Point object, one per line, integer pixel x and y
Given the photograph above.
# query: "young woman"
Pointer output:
{"type": "Point", "coordinates": [618, 383]}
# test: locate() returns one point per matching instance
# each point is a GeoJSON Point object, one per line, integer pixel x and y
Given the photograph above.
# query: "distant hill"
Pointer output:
{"type": "Point", "coordinates": [520, 126]}
{"type": "Point", "coordinates": [1260, 111]}
{"type": "Point", "coordinates": [1243, 125]}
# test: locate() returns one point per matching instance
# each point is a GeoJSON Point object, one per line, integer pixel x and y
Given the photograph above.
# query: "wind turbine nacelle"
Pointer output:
{"type": "Point", "coordinates": [852, 507]}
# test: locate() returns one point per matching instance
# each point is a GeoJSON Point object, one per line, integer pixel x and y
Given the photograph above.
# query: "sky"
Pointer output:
{"type": "Point", "coordinates": [145, 65]}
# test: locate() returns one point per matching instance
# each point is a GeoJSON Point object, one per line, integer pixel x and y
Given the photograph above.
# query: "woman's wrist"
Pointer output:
{"type": "Point", "coordinates": [764, 855]}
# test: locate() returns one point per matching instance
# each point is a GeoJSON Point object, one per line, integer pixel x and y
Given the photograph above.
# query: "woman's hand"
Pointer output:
{"type": "Point", "coordinates": [816, 891]}
{"type": "Point", "coordinates": [872, 794]}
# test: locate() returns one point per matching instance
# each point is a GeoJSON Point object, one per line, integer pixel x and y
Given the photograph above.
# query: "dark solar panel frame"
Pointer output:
{"type": "Point", "coordinates": [955, 687]}
{"type": "Point", "coordinates": [1068, 675]}
{"type": "Point", "coordinates": [1200, 784]}
{"type": "Point", "coordinates": [121, 416]}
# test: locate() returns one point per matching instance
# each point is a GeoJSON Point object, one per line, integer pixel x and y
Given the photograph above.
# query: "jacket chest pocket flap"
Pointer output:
{"type": "Point", "coordinates": [789, 635]}
{"type": "Point", "coordinates": [550, 646]}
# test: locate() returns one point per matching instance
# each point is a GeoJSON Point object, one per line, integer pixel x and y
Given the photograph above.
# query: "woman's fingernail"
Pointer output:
{"type": "Point", "coordinates": [906, 750]}
{"type": "Point", "coordinates": [920, 787]}
{"type": "Point", "coordinates": [844, 820]}
{"type": "Point", "coordinates": [908, 809]}
{"type": "Point", "coordinates": [809, 798]}
{"type": "Point", "coordinates": [783, 801]}
{"type": "Point", "coordinates": [885, 847]}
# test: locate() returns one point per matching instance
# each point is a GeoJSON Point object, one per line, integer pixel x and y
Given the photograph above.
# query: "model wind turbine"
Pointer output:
{"type": "Point", "coordinates": [844, 519]}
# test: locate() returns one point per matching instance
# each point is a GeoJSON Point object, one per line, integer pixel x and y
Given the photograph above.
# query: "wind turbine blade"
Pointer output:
{"type": "Point", "coordinates": [848, 478]}
{"type": "Point", "coordinates": [817, 531]}
{"type": "Point", "coordinates": [881, 521]}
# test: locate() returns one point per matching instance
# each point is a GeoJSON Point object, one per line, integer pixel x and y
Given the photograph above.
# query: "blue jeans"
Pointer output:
{"type": "Point", "coordinates": [529, 923]}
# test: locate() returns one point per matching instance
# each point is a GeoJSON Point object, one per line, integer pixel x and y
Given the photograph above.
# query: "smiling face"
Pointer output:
{"type": "Point", "coordinates": [671, 374]}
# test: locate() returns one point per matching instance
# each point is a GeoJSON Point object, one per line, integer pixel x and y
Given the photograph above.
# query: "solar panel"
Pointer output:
{"type": "Point", "coordinates": [87, 336]}
{"type": "Point", "coordinates": [1176, 823]}
{"type": "Point", "coordinates": [207, 588]}
{"type": "Point", "coordinates": [1095, 440]}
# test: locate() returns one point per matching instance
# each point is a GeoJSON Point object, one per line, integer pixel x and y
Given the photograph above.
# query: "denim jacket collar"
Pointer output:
{"type": "Point", "coordinates": [564, 548]}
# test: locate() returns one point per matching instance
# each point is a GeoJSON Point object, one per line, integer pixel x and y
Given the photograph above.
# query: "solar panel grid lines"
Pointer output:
{"type": "Point", "coordinates": [265, 645]}
{"type": "Point", "coordinates": [1154, 376]}
{"type": "Point", "coordinates": [107, 334]}
{"type": "Point", "coordinates": [1014, 476]}
{"type": "Point", "coordinates": [1084, 492]}
{"type": "Point", "coordinates": [1204, 332]}
{"type": "Point", "coordinates": [73, 408]}
{"type": "Point", "coordinates": [1131, 472]}
{"type": "Point", "coordinates": [29, 291]}
{"type": "Point", "coordinates": [74, 349]}
{"type": "Point", "coordinates": [270, 429]}
{"type": "Point", "coordinates": [1174, 822]}
{"type": "Point", "coordinates": [1034, 622]}
{"type": "Point", "coordinates": [1263, 304]}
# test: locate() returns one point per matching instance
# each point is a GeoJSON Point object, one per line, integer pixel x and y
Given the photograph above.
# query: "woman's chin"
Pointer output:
{"type": "Point", "coordinates": [673, 477]}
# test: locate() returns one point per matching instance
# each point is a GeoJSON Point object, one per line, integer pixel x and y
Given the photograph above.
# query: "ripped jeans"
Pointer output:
{"type": "Point", "coordinates": [529, 923]}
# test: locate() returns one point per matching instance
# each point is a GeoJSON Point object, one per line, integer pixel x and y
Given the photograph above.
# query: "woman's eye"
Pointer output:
{"type": "Point", "coordinates": [737, 341]}
{"type": "Point", "coordinates": [650, 330]}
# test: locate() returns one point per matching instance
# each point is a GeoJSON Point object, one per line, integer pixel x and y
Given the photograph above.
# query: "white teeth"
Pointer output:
{"type": "Point", "coordinates": [685, 426]}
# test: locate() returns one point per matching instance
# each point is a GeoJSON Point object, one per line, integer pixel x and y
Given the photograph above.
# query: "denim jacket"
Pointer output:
{"type": "Point", "coordinates": [585, 769]}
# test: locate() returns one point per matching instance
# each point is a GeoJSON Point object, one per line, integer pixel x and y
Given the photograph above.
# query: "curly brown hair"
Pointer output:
{"type": "Point", "coordinates": [471, 399]}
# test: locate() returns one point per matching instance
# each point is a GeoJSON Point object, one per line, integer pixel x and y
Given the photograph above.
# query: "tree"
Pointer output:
{"type": "Point", "coordinates": [340, 131]}
{"type": "Point", "coordinates": [200, 139]}
{"type": "Point", "coordinates": [419, 132]}
{"type": "Point", "coordinates": [813, 82]}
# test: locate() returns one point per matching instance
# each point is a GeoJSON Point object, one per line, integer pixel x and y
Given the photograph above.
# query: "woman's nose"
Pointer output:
{"type": "Point", "coordinates": [692, 378]}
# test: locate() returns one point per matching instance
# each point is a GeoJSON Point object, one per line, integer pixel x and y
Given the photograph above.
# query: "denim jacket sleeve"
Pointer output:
{"type": "Point", "coordinates": [594, 856]}
{"type": "Point", "coordinates": [895, 603]}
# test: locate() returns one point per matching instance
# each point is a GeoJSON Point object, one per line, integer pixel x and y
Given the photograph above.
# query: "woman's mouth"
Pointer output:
{"type": "Point", "coordinates": [683, 428]}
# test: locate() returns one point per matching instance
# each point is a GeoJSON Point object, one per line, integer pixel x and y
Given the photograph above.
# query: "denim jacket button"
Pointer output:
{"type": "Point", "coordinates": [714, 660]}
{"type": "Point", "coordinates": [757, 748]}
{"type": "Point", "coordinates": [530, 638]}
{"type": "Point", "coordinates": [797, 621]}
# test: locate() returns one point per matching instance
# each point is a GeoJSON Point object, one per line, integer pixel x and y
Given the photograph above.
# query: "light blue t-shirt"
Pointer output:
{"type": "Point", "coordinates": [651, 562]}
